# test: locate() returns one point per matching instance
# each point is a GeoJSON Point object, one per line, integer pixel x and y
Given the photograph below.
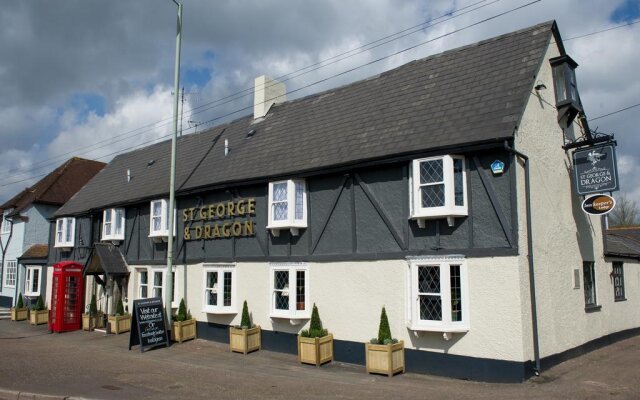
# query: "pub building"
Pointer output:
{"type": "Point", "coordinates": [439, 189]}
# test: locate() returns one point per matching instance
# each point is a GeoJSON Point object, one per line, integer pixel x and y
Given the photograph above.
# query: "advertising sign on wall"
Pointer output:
{"type": "Point", "coordinates": [598, 204]}
{"type": "Point", "coordinates": [596, 170]}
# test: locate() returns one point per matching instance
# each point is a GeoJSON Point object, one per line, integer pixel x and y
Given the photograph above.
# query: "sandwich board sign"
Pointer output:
{"type": "Point", "coordinates": [595, 170]}
{"type": "Point", "coordinates": [148, 327]}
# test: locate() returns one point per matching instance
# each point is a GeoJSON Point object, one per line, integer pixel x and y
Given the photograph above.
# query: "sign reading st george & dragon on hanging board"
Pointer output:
{"type": "Point", "coordinates": [596, 170]}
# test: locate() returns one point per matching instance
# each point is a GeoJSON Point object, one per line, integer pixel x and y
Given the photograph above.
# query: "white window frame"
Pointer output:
{"type": "Point", "coordinates": [293, 314]}
{"type": "Point", "coordinates": [153, 272]}
{"type": "Point", "coordinates": [220, 270]}
{"type": "Point", "coordinates": [10, 273]}
{"type": "Point", "coordinates": [446, 325]}
{"type": "Point", "coordinates": [28, 282]}
{"type": "Point", "coordinates": [140, 271]}
{"type": "Point", "coordinates": [163, 232]}
{"type": "Point", "coordinates": [65, 233]}
{"type": "Point", "coordinates": [6, 224]}
{"type": "Point", "coordinates": [291, 222]}
{"type": "Point", "coordinates": [449, 210]}
{"type": "Point", "coordinates": [113, 214]}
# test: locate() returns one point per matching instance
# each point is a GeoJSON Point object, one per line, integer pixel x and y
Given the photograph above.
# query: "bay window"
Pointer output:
{"type": "Point", "coordinates": [290, 291]}
{"type": "Point", "coordinates": [219, 289]}
{"type": "Point", "coordinates": [438, 187]}
{"type": "Point", "coordinates": [438, 290]}
{"type": "Point", "coordinates": [113, 224]}
{"type": "Point", "coordinates": [287, 206]}
{"type": "Point", "coordinates": [159, 219]}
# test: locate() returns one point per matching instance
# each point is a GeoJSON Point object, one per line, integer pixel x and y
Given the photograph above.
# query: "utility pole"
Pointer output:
{"type": "Point", "coordinates": [172, 182]}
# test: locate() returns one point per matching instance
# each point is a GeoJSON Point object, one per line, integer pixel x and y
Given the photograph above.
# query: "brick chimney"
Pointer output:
{"type": "Point", "coordinates": [267, 93]}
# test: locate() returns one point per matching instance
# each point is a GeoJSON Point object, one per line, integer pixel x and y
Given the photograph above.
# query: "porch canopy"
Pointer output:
{"type": "Point", "coordinates": [106, 259]}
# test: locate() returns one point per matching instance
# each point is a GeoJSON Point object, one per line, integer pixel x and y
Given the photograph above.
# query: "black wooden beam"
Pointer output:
{"type": "Point", "coordinates": [504, 222]}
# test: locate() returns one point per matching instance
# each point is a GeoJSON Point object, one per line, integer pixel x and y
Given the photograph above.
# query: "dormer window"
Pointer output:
{"type": "Point", "coordinates": [159, 219]}
{"type": "Point", "coordinates": [287, 206]}
{"type": "Point", "coordinates": [65, 232]}
{"type": "Point", "coordinates": [438, 188]}
{"type": "Point", "coordinates": [566, 89]}
{"type": "Point", "coordinates": [113, 224]}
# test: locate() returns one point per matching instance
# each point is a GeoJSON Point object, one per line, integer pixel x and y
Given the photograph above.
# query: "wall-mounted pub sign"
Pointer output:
{"type": "Point", "coordinates": [598, 204]}
{"type": "Point", "coordinates": [596, 170]}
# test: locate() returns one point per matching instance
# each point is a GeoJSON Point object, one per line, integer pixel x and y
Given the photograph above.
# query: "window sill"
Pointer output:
{"type": "Point", "coordinates": [32, 294]}
{"type": "Point", "coordinates": [442, 329]}
{"type": "Point", "coordinates": [294, 319]}
{"type": "Point", "coordinates": [295, 230]}
{"type": "Point", "coordinates": [592, 308]}
{"type": "Point", "coordinates": [617, 300]}
{"type": "Point", "coordinates": [63, 246]}
{"type": "Point", "coordinates": [219, 311]}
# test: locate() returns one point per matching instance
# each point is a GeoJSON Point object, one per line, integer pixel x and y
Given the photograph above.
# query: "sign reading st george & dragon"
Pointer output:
{"type": "Point", "coordinates": [595, 170]}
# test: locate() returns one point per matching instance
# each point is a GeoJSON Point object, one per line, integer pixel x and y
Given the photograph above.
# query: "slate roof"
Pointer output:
{"type": "Point", "coordinates": [473, 94]}
{"type": "Point", "coordinates": [624, 242]}
{"type": "Point", "coordinates": [106, 258]}
{"type": "Point", "coordinates": [57, 187]}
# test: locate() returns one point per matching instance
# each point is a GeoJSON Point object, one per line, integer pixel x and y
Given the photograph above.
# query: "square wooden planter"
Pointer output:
{"type": "Point", "coordinates": [39, 317]}
{"type": "Point", "coordinates": [18, 314]}
{"type": "Point", "coordinates": [316, 351]}
{"type": "Point", "coordinates": [183, 330]}
{"type": "Point", "coordinates": [387, 359]}
{"type": "Point", "coordinates": [245, 340]}
{"type": "Point", "coordinates": [91, 323]}
{"type": "Point", "coordinates": [119, 323]}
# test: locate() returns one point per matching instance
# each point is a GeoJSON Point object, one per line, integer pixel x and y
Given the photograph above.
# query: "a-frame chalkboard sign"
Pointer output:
{"type": "Point", "coordinates": [148, 328]}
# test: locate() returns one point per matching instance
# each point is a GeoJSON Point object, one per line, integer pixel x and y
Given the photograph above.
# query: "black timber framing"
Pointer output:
{"type": "Point", "coordinates": [504, 223]}
{"type": "Point", "coordinates": [328, 218]}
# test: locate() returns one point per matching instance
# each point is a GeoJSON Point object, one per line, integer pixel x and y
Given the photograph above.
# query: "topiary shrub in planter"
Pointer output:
{"type": "Point", "coordinates": [246, 337]}
{"type": "Point", "coordinates": [39, 313]}
{"type": "Point", "coordinates": [120, 322]}
{"type": "Point", "coordinates": [93, 319]}
{"type": "Point", "coordinates": [19, 312]}
{"type": "Point", "coordinates": [384, 355]}
{"type": "Point", "coordinates": [183, 326]}
{"type": "Point", "coordinates": [315, 346]}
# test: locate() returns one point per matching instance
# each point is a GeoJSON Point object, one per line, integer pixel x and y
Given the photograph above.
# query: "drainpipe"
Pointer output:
{"type": "Point", "coordinates": [532, 281]}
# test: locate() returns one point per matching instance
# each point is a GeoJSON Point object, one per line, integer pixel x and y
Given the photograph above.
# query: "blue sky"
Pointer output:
{"type": "Point", "coordinates": [628, 11]}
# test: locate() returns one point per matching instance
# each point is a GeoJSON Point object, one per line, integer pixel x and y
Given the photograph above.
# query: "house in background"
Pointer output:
{"type": "Point", "coordinates": [439, 189]}
{"type": "Point", "coordinates": [24, 233]}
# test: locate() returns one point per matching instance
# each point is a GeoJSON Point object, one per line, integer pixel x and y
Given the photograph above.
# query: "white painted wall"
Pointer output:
{"type": "Point", "coordinates": [350, 295]}
{"type": "Point", "coordinates": [563, 236]}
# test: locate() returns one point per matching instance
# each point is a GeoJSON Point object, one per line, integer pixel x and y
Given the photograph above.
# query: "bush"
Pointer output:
{"type": "Point", "coordinates": [20, 303]}
{"type": "Point", "coordinates": [245, 322]}
{"type": "Point", "coordinates": [183, 314]}
{"type": "Point", "coordinates": [39, 305]}
{"type": "Point", "coordinates": [93, 308]}
{"type": "Point", "coordinates": [315, 327]}
{"type": "Point", "coordinates": [119, 307]}
{"type": "Point", "coordinates": [384, 332]}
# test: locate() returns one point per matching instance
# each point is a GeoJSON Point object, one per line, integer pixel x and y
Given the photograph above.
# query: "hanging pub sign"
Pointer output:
{"type": "Point", "coordinates": [598, 204]}
{"type": "Point", "coordinates": [596, 170]}
{"type": "Point", "coordinates": [148, 328]}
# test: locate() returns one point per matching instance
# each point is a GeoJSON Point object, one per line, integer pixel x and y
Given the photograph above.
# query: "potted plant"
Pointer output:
{"type": "Point", "coordinates": [183, 326]}
{"type": "Point", "coordinates": [39, 313]}
{"type": "Point", "coordinates": [315, 346]}
{"type": "Point", "coordinates": [19, 312]}
{"type": "Point", "coordinates": [384, 355]}
{"type": "Point", "coordinates": [121, 321]}
{"type": "Point", "coordinates": [92, 319]}
{"type": "Point", "coordinates": [246, 337]}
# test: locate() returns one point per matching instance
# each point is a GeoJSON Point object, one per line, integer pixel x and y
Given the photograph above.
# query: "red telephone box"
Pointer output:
{"type": "Point", "coordinates": [66, 297]}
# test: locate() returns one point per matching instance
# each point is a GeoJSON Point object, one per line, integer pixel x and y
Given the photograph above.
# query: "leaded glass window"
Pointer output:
{"type": "Point", "coordinates": [438, 187]}
{"type": "Point", "coordinates": [290, 291]}
{"type": "Point", "coordinates": [281, 289]}
{"type": "Point", "coordinates": [287, 205]}
{"type": "Point", "coordinates": [219, 289]}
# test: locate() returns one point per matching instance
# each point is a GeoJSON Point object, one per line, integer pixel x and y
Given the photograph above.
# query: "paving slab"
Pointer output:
{"type": "Point", "coordinates": [93, 365]}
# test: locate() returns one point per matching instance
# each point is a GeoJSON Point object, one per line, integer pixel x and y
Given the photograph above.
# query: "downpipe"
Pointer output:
{"type": "Point", "coordinates": [532, 281]}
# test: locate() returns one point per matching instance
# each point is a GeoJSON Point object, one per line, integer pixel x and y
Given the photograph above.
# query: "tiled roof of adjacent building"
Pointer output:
{"type": "Point", "coordinates": [36, 251]}
{"type": "Point", "coordinates": [624, 242]}
{"type": "Point", "coordinates": [57, 187]}
{"type": "Point", "coordinates": [473, 94]}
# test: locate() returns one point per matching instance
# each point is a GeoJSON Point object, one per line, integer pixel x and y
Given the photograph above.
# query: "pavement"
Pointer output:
{"type": "Point", "coordinates": [91, 365]}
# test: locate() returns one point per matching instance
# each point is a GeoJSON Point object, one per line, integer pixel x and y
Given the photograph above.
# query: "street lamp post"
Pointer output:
{"type": "Point", "coordinates": [172, 182]}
